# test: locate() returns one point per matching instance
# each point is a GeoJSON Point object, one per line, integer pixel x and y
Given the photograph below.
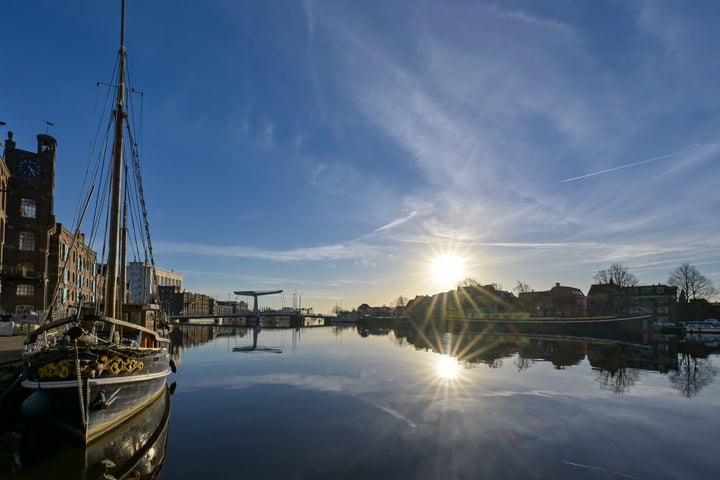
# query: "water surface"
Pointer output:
{"type": "Point", "coordinates": [353, 403]}
{"type": "Point", "coordinates": [382, 403]}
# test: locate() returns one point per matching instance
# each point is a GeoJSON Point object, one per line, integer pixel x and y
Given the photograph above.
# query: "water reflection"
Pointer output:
{"type": "Point", "coordinates": [447, 367]}
{"type": "Point", "coordinates": [255, 347]}
{"type": "Point", "coordinates": [617, 364]}
{"type": "Point", "coordinates": [136, 449]}
{"type": "Point", "coordinates": [692, 375]}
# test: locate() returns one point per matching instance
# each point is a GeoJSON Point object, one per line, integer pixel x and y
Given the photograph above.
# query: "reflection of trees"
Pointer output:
{"type": "Point", "coordinates": [523, 363]}
{"type": "Point", "coordinates": [692, 375]}
{"type": "Point", "coordinates": [613, 363]}
{"type": "Point", "coordinates": [619, 380]}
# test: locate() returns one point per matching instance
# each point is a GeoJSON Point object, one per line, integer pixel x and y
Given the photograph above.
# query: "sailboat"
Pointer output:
{"type": "Point", "coordinates": [93, 370]}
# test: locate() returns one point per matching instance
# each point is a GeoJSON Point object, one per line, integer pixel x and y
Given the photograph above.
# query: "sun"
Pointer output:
{"type": "Point", "coordinates": [447, 270]}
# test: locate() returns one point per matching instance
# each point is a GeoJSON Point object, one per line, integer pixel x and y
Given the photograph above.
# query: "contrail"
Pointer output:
{"type": "Point", "coordinates": [395, 223]}
{"type": "Point", "coordinates": [631, 164]}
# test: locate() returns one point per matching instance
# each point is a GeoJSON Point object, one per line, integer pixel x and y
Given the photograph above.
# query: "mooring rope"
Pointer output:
{"type": "Point", "coordinates": [81, 397]}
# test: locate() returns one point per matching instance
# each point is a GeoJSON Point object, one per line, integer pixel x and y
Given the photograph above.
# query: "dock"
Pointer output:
{"type": "Point", "coordinates": [11, 348]}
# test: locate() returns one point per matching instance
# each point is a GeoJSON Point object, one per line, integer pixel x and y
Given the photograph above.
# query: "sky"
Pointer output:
{"type": "Point", "coordinates": [339, 150]}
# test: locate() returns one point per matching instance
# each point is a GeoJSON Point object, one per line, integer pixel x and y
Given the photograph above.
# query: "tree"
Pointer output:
{"type": "Point", "coordinates": [691, 282]}
{"type": "Point", "coordinates": [521, 287]}
{"type": "Point", "coordinates": [468, 282]}
{"type": "Point", "coordinates": [617, 274]}
{"type": "Point", "coordinates": [399, 302]}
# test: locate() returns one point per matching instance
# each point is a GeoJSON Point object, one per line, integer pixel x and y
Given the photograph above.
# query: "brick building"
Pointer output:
{"type": "Point", "coordinates": [28, 219]}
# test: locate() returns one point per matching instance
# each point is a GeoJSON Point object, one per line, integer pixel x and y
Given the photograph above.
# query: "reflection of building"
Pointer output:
{"type": "Point", "coordinates": [559, 301]}
{"type": "Point", "coordinates": [72, 271]}
{"type": "Point", "coordinates": [141, 282]}
{"type": "Point", "coordinates": [29, 216]}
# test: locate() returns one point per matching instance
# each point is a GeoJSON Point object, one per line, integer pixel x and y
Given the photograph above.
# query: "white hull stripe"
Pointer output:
{"type": "Point", "coordinates": [94, 381]}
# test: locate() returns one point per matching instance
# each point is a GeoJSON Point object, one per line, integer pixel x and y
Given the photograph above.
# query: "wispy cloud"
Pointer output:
{"type": "Point", "coordinates": [319, 253]}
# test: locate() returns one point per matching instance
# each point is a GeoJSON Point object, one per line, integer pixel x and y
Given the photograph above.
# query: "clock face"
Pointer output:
{"type": "Point", "coordinates": [29, 167]}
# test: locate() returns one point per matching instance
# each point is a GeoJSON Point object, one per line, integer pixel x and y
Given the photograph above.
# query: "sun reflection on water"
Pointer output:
{"type": "Point", "coordinates": [447, 367]}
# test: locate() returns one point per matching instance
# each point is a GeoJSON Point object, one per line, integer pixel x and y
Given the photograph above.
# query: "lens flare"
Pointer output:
{"type": "Point", "coordinates": [447, 367]}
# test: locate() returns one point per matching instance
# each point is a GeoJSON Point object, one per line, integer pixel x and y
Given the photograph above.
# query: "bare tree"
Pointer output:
{"type": "Point", "coordinates": [689, 280]}
{"type": "Point", "coordinates": [399, 302]}
{"type": "Point", "coordinates": [468, 282]}
{"type": "Point", "coordinates": [617, 274]}
{"type": "Point", "coordinates": [521, 287]}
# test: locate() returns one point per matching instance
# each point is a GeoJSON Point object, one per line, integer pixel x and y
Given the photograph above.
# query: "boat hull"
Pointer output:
{"type": "Point", "coordinates": [90, 406]}
{"type": "Point", "coordinates": [136, 449]}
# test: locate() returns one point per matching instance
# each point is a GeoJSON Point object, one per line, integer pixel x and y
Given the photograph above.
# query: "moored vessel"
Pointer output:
{"type": "Point", "coordinates": [93, 369]}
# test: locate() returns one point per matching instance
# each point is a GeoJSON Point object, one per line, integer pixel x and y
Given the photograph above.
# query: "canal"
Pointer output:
{"type": "Point", "coordinates": [357, 403]}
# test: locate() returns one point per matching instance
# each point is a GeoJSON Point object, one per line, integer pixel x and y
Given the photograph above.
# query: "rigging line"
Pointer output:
{"type": "Point", "coordinates": [134, 210]}
{"type": "Point", "coordinates": [132, 228]}
{"type": "Point", "coordinates": [101, 179]}
{"type": "Point", "coordinates": [131, 105]}
{"type": "Point", "coordinates": [136, 164]}
{"type": "Point", "coordinates": [93, 141]}
{"type": "Point", "coordinates": [90, 172]}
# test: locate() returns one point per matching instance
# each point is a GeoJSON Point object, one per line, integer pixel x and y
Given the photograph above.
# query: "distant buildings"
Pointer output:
{"type": "Point", "coordinates": [142, 283]}
{"type": "Point", "coordinates": [486, 302]}
{"type": "Point", "coordinates": [559, 302]}
{"type": "Point", "coordinates": [610, 299]}
{"type": "Point", "coordinates": [71, 273]}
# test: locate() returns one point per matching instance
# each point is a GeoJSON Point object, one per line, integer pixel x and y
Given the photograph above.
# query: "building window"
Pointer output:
{"type": "Point", "coordinates": [27, 242]}
{"type": "Point", "coordinates": [28, 208]}
{"type": "Point", "coordinates": [26, 269]}
{"type": "Point", "coordinates": [24, 290]}
{"type": "Point", "coordinates": [64, 252]}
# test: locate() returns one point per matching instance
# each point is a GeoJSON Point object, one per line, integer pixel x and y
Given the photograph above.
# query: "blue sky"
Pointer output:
{"type": "Point", "coordinates": [335, 149]}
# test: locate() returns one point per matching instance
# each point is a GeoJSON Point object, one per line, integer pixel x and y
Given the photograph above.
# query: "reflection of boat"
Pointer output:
{"type": "Point", "coordinates": [707, 339]}
{"type": "Point", "coordinates": [90, 372]}
{"type": "Point", "coordinates": [668, 328]}
{"type": "Point", "coordinates": [134, 450]}
{"type": "Point", "coordinates": [711, 325]}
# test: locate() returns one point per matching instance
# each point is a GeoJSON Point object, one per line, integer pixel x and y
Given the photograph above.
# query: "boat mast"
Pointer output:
{"type": "Point", "coordinates": [111, 280]}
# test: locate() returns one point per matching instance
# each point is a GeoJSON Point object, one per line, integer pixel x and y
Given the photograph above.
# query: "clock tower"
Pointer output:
{"type": "Point", "coordinates": [30, 198]}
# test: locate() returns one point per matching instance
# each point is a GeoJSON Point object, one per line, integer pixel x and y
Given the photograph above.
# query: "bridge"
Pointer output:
{"type": "Point", "coordinates": [255, 295]}
{"type": "Point", "coordinates": [255, 314]}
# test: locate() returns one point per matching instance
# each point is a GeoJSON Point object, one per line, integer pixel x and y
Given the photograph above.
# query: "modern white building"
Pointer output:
{"type": "Point", "coordinates": [140, 279]}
